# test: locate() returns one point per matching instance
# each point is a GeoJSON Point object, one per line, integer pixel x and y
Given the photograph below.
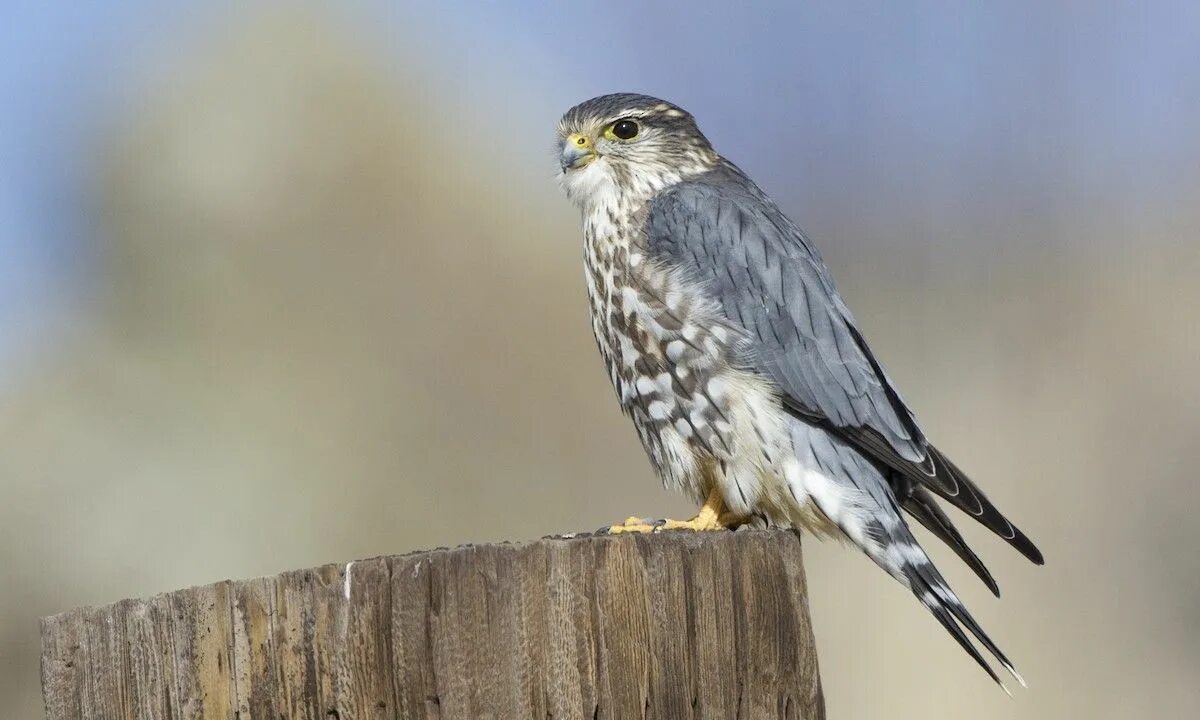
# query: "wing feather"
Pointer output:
{"type": "Point", "coordinates": [770, 280]}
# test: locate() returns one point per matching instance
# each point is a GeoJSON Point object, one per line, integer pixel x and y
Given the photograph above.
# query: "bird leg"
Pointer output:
{"type": "Point", "coordinates": [710, 517]}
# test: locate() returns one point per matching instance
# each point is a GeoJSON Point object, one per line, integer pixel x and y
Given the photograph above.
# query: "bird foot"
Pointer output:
{"type": "Point", "coordinates": [636, 525]}
{"type": "Point", "coordinates": [700, 523]}
{"type": "Point", "coordinates": [708, 519]}
{"type": "Point", "coordinates": [703, 522]}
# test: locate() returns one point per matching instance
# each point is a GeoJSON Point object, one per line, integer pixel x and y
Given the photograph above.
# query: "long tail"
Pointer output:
{"type": "Point", "coordinates": [853, 493]}
{"type": "Point", "coordinates": [899, 553]}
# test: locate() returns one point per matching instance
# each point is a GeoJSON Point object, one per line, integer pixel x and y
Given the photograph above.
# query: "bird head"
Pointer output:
{"type": "Point", "coordinates": [626, 147]}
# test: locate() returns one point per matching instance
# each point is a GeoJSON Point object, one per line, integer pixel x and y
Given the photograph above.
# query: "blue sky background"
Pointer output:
{"type": "Point", "coordinates": [63, 68]}
{"type": "Point", "coordinates": [1057, 107]}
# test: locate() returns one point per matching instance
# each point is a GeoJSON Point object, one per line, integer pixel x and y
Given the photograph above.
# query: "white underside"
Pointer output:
{"type": "Point", "coordinates": [764, 473]}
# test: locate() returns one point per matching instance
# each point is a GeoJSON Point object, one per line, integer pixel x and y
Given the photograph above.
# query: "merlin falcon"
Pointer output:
{"type": "Point", "coordinates": [745, 374]}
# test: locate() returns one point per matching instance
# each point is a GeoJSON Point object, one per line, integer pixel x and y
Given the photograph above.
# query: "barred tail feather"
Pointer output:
{"type": "Point", "coordinates": [901, 556]}
{"type": "Point", "coordinates": [935, 594]}
{"type": "Point", "coordinates": [852, 492]}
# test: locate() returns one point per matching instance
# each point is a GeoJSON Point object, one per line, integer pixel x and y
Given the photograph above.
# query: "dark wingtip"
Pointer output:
{"type": "Point", "coordinates": [925, 509]}
{"type": "Point", "coordinates": [987, 514]}
{"type": "Point", "coordinates": [986, 578]}
{"type": "Point", "coordinates": [1025, 546]}
{"type": "Point", "coordinates": [1035, 556]}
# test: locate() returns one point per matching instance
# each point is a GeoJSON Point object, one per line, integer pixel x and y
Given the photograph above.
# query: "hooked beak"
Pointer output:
{"type": "Point", "coordinates": [577, 152]}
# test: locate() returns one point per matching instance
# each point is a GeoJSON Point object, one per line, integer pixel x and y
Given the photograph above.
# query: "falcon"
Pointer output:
{"type": "Point", "coordinates": [746, 377]}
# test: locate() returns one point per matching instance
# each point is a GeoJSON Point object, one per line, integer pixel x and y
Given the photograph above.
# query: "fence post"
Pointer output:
{"type": "Point", "coordinates": [668, 626]}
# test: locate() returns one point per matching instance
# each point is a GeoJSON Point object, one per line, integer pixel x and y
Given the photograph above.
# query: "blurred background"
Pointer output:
{"type": "Point", "coordinates": [288, 283]}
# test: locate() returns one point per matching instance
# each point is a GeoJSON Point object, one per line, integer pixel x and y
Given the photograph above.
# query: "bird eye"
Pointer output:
{"type": "Point", "coordinates": [625, 129]}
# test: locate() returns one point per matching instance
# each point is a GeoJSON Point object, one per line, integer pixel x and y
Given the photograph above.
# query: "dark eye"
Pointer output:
{"type": "Point", "coordinates": [625, 129]}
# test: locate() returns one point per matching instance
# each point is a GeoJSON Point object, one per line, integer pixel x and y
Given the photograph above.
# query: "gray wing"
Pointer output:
{"type": "Point", "coordinates": [773, 284]}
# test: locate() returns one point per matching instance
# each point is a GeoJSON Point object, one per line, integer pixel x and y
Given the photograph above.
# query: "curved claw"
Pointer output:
{"type": "Point", "coordinates": [634, 524]}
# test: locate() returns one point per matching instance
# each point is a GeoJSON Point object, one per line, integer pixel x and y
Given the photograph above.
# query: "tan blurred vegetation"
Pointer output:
{"type": "Point", "coordinates": [332, 324]}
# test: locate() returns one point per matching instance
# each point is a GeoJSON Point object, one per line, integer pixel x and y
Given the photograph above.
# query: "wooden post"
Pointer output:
{"type": "Point", "coordinates": [669, 626]}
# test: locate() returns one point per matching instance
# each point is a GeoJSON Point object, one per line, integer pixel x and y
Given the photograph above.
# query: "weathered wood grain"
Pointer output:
{"type": "Point", "coordinates": [674, 626]}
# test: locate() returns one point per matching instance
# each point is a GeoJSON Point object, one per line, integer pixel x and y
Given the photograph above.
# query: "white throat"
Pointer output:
{"type": "Point", "coordinates": [592, 187]}
{"type": "Point", "coordinates": [600, 188]}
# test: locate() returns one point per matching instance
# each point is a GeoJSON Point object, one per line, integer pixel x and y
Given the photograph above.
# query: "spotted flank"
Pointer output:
{"type": "Point", "coordinates": [740, 365]}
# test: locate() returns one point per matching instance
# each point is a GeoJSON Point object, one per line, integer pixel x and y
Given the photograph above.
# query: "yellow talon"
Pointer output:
{"type": "Point", "coordinates": [711, 517]}
{"type": "Point", "coordinates": [632, 524]}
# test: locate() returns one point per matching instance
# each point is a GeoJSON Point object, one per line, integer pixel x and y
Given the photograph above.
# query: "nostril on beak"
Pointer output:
{"type": "Point", "coordinates": [577, 152]}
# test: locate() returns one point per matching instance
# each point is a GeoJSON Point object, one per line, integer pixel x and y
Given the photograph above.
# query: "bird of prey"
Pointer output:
{"type": "Point", "coordinates": [747, 379]}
